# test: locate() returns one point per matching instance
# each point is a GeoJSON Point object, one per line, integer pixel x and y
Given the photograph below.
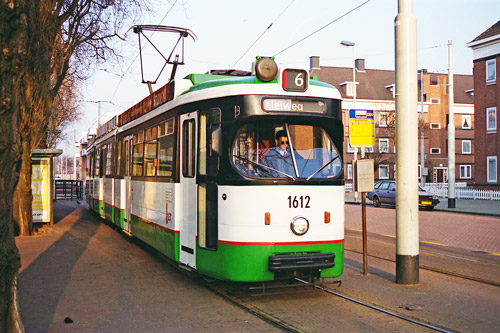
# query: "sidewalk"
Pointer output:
{"type": "Point", "coordinates": [466, 206]}
{"type": "Point", "coordinates": [85, 273]}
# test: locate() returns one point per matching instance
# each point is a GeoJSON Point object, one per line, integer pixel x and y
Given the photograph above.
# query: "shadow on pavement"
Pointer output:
{"type": "Point", "coordinates": [49, 274]}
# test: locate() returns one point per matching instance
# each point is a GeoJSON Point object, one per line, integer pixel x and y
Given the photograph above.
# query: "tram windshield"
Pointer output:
{"type": "Point", "coordinates": [263, 150]}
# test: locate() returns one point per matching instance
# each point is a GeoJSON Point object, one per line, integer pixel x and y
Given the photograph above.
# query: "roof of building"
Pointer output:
{"type": "Point", "coordinates": [490, 32]}
{"type": "Point", "coordinates": [375, 84]}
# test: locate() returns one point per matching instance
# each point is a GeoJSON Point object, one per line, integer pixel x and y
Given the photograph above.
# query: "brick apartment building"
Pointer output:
{"type": "Point", "coordinates": [375, 91]}
{"type": "Point", "coordinates": [486, 56]}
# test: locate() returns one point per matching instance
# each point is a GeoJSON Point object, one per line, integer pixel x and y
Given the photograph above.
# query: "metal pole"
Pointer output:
{"type": "Point", "coordinates": [98, 115]}
{"type": "Point", "coordinates": [365, 237]}
{"type": "Point", "coordinates": [451, 131]}
{"type": "Point", "coordinates": [422, 145]}
{"type": "Point", "coordinates": [74, 154]}
{"type": "Point", "coordinates": [407, 237]}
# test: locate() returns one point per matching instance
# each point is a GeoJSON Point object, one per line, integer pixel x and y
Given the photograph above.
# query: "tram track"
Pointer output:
{"type": "Point", "coordinates": [439, 268]}
{"type": "Point", "coordinates": [379, 309]}
{"type": "Point", "coordinates": [226, 293]}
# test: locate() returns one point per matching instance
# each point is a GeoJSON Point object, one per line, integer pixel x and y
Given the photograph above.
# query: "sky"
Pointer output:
{"type": "Point", "coordinates": [231, 33]}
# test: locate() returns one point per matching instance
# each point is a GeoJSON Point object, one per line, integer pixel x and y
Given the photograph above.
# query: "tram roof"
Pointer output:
{"type": "Point", "coordinates": [204, 81]}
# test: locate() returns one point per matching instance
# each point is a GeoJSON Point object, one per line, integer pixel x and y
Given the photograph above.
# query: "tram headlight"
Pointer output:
{"type": "Point", "coordinates": [299, 225]}
{"type": "Point", "coordinates": [266, 69]}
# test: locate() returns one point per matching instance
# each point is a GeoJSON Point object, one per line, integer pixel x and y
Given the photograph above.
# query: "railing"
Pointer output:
{"type": "Point", "coordinates": [68, 189]}
{"type": "Point", "coordinates": [463, 192]}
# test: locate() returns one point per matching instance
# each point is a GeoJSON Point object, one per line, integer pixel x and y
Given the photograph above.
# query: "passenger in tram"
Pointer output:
{"type": "Point", "coordinates": [279, 158]}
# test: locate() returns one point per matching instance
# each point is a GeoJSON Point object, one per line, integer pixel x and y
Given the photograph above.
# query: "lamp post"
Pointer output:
{"type": "Point", "coordinates": [363, 194]}
{"type": "Point", "coordinates": [349, 44]}
{"type": "Point", "coordinates": [352, 44]}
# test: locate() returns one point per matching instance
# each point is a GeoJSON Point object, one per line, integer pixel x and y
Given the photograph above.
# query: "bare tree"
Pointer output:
{"type": "Point", "coordinates": [43, 44]}
{"type": "Point", "coordinates": [70, 36]}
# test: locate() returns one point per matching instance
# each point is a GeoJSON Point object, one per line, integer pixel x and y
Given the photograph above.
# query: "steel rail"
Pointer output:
{"type": "Point", "coordinates": [438, 270]}
{"type": "Point", "coordinates": [373, 307]}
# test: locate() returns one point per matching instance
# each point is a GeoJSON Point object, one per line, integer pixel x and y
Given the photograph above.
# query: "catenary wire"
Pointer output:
{"type": "Point", "coordinates": [323, 27]}
{"type": "Point", "coordinates": [266, 30]}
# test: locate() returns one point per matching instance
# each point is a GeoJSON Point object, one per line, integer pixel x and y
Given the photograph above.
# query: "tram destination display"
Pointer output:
{"type": "Point", "coordinates": [292, 105]}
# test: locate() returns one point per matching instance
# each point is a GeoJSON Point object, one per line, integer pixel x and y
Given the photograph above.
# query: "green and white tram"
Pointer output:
{"type": "Point", "coordinates": [239, 178]}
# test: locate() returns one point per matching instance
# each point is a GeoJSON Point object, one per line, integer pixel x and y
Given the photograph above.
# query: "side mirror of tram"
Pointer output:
{"type": "Point", "coordinates": [216, 140]}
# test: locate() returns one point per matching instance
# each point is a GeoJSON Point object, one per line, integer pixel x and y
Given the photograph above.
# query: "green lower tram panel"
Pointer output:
{"type": "Point", "coordinates": [262, 263]}
{"type": "Point", "coordinates": [163, 240]}
{"type": "Point", "coordinates": [246, 263]}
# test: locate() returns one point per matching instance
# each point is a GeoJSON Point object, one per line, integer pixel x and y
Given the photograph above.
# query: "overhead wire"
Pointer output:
{"type": "Point", "coordinates": [323, 27]}
{"type": "Point", "coordinates": [263, 33]}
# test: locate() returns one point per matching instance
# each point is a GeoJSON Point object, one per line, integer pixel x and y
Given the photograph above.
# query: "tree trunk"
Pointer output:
{"type": "Point", "coordinates": [13, 42]}
{"type": "Point", "coordinates": [10, 156]}
{"type": "Point", "coordinates": [23, 196]}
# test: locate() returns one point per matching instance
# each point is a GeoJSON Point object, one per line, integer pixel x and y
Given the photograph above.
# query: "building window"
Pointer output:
{"type": "Point", "coordinates": [349, 88]}
{"type": "Point", "coordinates": [491, 119]}
{"type": "Point", "coordinates": [491, 169]}
{"type": "Point", "coordinates": [435, 150]}
{"type": "Point", "coordinates": [383, 172]}
{"type": "Point", "coordinates": [349, 171]}
{"type": "Point", "coordinates": [435, 101]}
{"type": "Point", "coordinates": [465, 172]}
{"type": "Point", "coordinates": [466, 122]}
{"type": "Point", "coordinates": [350, 149]}
{"type": "Point", "coordinates": [382, 119]}
{"type": "Point", "coordinates": [419, 171]}
{"type": "Point", "coordinates": [491, 71]}
{"type": "Point", "coordinates": [466, 147]}
{"type": "Point", "coordinates": [383, 145]}
{"type": "Point", "coordinates": [435, 125]}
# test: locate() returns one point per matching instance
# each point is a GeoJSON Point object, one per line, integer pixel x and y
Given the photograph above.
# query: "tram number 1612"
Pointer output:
{"type": "Point", "coordinates": [299, 202]}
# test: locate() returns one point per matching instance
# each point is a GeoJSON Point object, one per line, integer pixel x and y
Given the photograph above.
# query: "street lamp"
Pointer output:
{"type": "Point", "coordinates": [349, 44]}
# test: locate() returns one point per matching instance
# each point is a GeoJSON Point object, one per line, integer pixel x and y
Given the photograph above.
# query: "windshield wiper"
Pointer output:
{"type": "Point", "coordinates": [324, 166]}
{"type": "Point", "coordinates": [263, 167]}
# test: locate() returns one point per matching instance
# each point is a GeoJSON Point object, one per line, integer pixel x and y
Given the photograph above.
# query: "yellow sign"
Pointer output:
{"type": "Point", "coordinates": [40, 187]}
{"type": "Point", "coordinates": [361, 128]}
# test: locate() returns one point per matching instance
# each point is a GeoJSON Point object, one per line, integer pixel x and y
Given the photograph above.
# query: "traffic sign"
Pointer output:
{"type": "Point", "coordinates": [361, 128]}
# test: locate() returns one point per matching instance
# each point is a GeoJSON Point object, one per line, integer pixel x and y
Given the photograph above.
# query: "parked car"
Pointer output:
{"type": "Point", "coordinates": [385, 193]}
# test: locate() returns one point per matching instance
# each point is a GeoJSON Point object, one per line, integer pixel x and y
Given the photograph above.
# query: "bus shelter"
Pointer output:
{"type": "Point", "coordinates": [42, 186]}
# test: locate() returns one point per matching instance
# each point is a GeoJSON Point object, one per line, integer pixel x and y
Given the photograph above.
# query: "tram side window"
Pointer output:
{"type": "Point", "coordinates": [207, 216]}
{"type": "Point", "coordinates": [97, 162]}
{"type": "Point", "coordinates": [188, 151]}
{"type": "Point", "coordinates": [90, 165]}
{"type": "Point", "coordinates": [166, 144]}
{"type": "Point", "coordinates": [150, 161]}
{"type": "Point", "coordinates": [208, 162]}
{"type": "Point", "coordinates": [119, 171]}
{"type": "Point", "coordinates": [138, 153]}
{"type": "Point", "coordinates": [109, 155]}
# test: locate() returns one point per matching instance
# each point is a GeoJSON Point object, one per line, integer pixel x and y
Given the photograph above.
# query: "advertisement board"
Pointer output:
{"type": "Point", "coordinates": [40, 187]}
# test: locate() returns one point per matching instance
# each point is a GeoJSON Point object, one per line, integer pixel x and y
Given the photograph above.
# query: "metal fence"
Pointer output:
{"type": "Point", "coordinates": [68, 189]}
{"type": "Point", "coordinates": [463, 192]}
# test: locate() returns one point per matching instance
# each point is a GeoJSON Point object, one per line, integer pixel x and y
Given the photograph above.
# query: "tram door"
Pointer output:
{"type": "Point", "coordinates": [128, 182]}
{"type": "Point", "coordinates": [188, 193]}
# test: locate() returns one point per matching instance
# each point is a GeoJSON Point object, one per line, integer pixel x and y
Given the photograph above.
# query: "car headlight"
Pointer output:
{"type": "Point", "coordinates": [299, 225]}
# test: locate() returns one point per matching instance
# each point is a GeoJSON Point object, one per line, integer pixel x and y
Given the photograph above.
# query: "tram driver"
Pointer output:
{"type": "Point", "coordinates": [279, 157]}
